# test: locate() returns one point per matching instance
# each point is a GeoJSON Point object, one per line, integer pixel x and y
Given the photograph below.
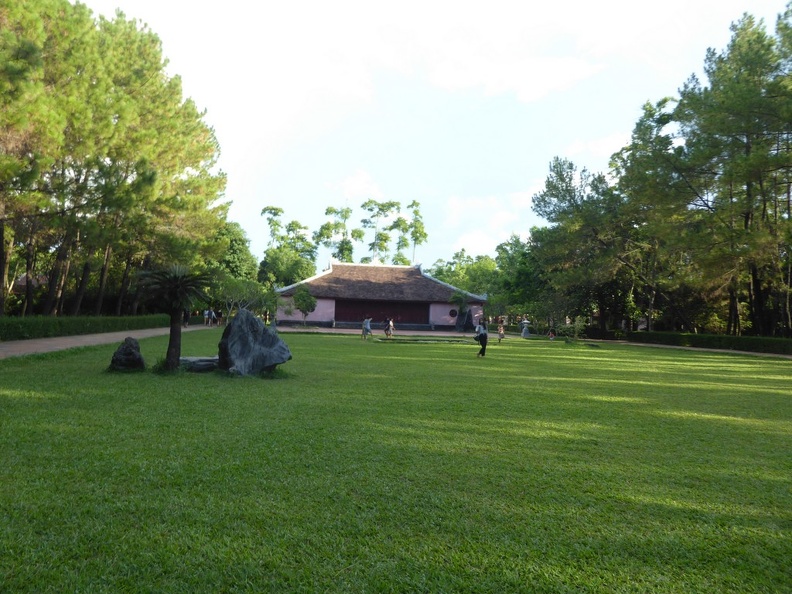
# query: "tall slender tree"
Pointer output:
{"type": "Point", "coordinates": [418, 234]}
{"type": "Point", "coordinates": [378, 213]}
{"type": "Point", "coordinates": [336, 234]}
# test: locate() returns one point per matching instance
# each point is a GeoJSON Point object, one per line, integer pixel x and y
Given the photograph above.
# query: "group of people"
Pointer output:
{"type": "Point", "coordinates": [212, 317]}
{"type": "Point", "coordinates": [482, 334]}
{"type": "Point", "coordinates": [388, 325]}
{"type": "Point", "coordinates": [481, 337]}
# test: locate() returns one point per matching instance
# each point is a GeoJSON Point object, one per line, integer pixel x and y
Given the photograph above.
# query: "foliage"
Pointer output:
{"type": "Point", "coordinates": [105, 168]}
{"type": "Point", "coordinates": [474, 275]}
{"type": "Point", "coordinates": [23, 328]}
{"type": "Point", "coordinates": [752, 344]}
{"type": "Point", "coordinates": [282, 266]}
{"type": "Point", "coordinates": [290, 257]}
{"type": "Point", "coordinates": [234, 258]}
{"type": "Point", "coordinates": [377, 213]}
{"type": "Point", "coordinates": [416, 227]}
{"type": "Point", "coordinates": [238, 293]}
{"type": "Point", "coordinates": [176, 289]}
{"type": "Point", "coordinates": [337, 235]}
{"type": "Point", "coordinates": [558, 472]}
{"type": "Point", "coordinates": [304, 301]}
{"type": "Point", "coordinates": [692, 229]}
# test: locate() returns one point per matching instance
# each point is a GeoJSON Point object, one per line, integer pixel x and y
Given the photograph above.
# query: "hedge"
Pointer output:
{"type": "Point", "coordinates": [18, 328]}
{"type": "Point", "coordinates": [753, 344]}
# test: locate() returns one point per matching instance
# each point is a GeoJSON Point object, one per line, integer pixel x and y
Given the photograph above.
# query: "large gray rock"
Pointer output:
{"type": "Point", "coordinates": [248, 347]}
{"type": "Point", "coordinates": [127, 357]}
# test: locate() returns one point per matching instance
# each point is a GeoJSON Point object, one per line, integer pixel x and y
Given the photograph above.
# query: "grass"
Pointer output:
{"type": "Point", "coordinates": [399, 467]}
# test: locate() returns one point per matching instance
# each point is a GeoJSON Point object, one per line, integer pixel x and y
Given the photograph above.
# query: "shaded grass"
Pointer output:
{"type": "Point", "coordinates": [399, 467]}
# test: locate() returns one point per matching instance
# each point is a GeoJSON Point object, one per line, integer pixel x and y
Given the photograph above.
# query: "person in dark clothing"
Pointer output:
{"type": "Point", "coordinates": [481, 333]}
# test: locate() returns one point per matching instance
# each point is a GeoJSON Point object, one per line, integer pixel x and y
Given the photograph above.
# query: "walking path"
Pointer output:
{"type": "Point", "coordinates": [16, 348]}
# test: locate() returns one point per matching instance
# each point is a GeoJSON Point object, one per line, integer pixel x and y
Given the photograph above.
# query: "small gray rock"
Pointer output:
{"type": "Point", "coordinates": [127, 357]}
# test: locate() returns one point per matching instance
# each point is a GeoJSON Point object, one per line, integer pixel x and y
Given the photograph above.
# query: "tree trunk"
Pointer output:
{"type": "Point", "coordinates": [57, 277]}
{"type": "Point", "coordinates": [174, 341]}
{"type": "Point", "coordinates": [758, 303]}
{"type": "Point", "coordinates": [61, 292]}
{"type": "Point", "coordinates": [138, 294]}
{"type": "Point", "coordinates": [29, 261]}
{"type": "Point", "coordinates": [78, 297]}
{"type": "Point", "coordinates": [103, 280]}
{"type": "Point", "coordinates": [733, 324]}
{"type": "Point", "coordinates": [602, 322]}
{"type": "Point", "coordinates": [124, 287]}
{"type": "Point", "coordinates": [4, 264]}
{"type": "Point", "coordinates": [650, 310]}
{"type": "Point", "coordinates": [788, 300]}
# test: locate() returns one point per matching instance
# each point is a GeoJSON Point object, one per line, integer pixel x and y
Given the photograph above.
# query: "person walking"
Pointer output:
{"type": "Point", "coordinates": [481, 336]}
{"type": "Point", "coordinates": [366, 327]}
{"type": "Point", "coordinates": [501, 331]}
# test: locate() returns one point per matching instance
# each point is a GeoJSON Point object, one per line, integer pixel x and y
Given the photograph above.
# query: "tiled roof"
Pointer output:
{"type": "Point", "coordinates": [377, 282]}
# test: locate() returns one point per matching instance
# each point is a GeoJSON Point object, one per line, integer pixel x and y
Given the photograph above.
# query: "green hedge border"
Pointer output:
{"type": "Point", "coordinates": [18, 328]}
{"type": "Point", "coordinates": [753, 344]}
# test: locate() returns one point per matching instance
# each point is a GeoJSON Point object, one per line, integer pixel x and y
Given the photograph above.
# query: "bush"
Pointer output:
{"type": "Point", "coordinates": [18, 328]}
{"type": "Point", "coordinates": [753, 344]}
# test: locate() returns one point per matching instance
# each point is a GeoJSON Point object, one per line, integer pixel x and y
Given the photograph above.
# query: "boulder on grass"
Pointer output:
{"type": "Point", "coordinates": [127, 357]}
{"type": "Point", "coordinates": [248, 347]}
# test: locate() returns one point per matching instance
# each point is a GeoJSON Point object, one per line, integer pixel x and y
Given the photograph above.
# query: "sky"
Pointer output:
{"type": "Point", "coordinates": [458, 105]}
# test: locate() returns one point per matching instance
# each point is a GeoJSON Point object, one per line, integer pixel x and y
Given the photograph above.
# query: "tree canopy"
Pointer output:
{"type": "Point", "coordinates": [105, 168]}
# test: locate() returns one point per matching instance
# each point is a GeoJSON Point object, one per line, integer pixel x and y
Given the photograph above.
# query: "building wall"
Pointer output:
{"type": "Point", "coordinates": [324, 312]}
{"type": "Point", "coordinates": [439, 314]}
{"type": "Point", "coordinates": [401, 312]}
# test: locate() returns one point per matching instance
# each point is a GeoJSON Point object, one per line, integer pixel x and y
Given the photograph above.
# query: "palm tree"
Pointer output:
{"type": "Point", "coordinates": [175, 288]}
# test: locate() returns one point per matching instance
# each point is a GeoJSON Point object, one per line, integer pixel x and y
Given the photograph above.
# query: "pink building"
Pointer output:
{"type": "Point", "coordinates": [347, 293]}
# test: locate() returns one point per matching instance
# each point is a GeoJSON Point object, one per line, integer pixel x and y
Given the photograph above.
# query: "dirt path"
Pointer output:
{"type": "Point", "coordinates": [16, 348]}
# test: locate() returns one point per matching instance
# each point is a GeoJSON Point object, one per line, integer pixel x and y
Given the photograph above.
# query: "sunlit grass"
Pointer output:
{"type": "Point", "coordinates": [401, 467]}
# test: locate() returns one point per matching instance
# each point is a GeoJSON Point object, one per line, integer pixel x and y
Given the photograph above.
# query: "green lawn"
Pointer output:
{"type": "Point", "coordinates": [399, 467]}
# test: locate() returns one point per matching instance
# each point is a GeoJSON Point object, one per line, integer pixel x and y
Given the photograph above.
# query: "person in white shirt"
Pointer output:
{"type": "Point", "coordinates": [481, 333]}
{"type": "Point", "coordinates": [366, 328]}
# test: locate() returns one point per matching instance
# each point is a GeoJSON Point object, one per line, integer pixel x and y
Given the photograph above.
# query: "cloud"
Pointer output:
{"type": "Point", "coordinates": [496, 218]}
{"type": "Point", "coordinates": [597, 149]}
{"type": "Point", "coordinates": [359, 186]}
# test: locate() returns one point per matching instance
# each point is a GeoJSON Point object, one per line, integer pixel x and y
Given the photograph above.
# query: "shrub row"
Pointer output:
{"type": "Point", "coordinates": [18, 328]}
{"type": "Point", "coordinates": [754, 344]}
